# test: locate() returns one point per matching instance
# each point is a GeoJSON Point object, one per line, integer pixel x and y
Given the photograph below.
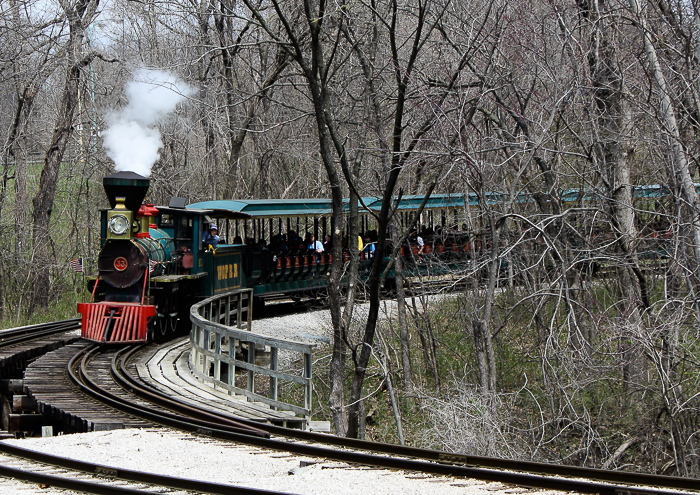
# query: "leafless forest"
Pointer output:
{"type": "Point", "coordinates": [585, 353]}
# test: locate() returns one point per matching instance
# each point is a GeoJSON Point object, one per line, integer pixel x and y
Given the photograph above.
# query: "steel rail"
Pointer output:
{"type": "Point", "coordinates": [471, 461]}
{"type": "Point", "coordinates": [68, 483]}
{"type": "Point", "coordinates": [105, 471]}
{"type": "Point", "coordinates": [432, 463]}
{"type": "Point", "coordinates": [122, 378]}
{"type": "Point", "coordinates": [17, 335]}
{"type": "Point", "coordinates": [87, 385]}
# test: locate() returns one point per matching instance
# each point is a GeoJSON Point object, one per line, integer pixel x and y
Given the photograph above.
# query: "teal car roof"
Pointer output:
{"type": "Point", "coordinates": [258, 208]}
{"type": "Point", "coordinates": [264, 208]}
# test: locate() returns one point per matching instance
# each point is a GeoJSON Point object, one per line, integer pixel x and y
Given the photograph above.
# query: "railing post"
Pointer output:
{"type": "Point", "coordinates": [239, 312]}
{"type": "Point", "coordinates": [309, 384]}
{"type": "Point", "coordinates": [207, 359]}
{"type": "Point", "coordinates": [249, 313]}
{"type": "Point", "coordinates": [231, 379]}
{"type": "Point", "coordinates": [217, 360]}
{"type": "Point", "coordinates": [274, 360]}
{"type": "Point", "coordinates": [251, 374]}
{"type": "Point", "coordinates": [203, 359]}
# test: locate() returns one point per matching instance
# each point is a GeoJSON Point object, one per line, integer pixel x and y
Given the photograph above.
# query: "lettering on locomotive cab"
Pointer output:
{"type": "Point", "coordinates": [226, 272]}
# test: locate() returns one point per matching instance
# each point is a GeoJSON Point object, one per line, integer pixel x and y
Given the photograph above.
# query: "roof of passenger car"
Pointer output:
{"type": "Point", "coordinates": [259, 208]}
{"type": "Point", "coordinates": [262, 208]}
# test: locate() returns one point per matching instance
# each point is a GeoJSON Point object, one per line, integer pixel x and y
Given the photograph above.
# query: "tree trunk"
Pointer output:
{"type": "Point", "coordinates": [404, 336]}
{"type": "Point", "coordinates": [79, 17]}
{"type": "Point", "coordinates": [478, 331]}
{"type": "Point", "coordinates": [11, 157]}
{"type": "Point", "coordinates": [679, 158]}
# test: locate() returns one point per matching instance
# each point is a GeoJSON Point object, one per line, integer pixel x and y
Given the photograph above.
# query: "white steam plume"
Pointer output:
{"type": "Point", "coordinates": [132, 140]}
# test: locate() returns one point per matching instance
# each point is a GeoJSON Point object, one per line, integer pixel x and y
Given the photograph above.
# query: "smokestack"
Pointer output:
{"type": "Point", "coordinates": [127, 185]}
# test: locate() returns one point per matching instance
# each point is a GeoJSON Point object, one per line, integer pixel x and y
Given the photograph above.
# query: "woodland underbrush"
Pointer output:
{"type": "Point", "coordinates": [66, 295]}
{"type": "Point", "coordinates": [585, 386]}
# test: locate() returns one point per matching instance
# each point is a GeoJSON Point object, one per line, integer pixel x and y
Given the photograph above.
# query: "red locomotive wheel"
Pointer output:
{"type": "Point", "coordinates": [121, 264]}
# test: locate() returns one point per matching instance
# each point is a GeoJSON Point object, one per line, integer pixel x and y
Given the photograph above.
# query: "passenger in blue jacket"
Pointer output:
{"type": "Point", "coordinates": [313, 245]}
{"type": "Point", "coordinates": [211, 236]}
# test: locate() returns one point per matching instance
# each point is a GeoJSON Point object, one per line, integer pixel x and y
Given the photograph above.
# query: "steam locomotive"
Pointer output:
{"type": "Point", "coordinates": [153, 264]}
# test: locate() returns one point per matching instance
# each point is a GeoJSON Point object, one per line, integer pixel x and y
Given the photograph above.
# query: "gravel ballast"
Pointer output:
{"type": "Point", "coordinates": [183, 455]}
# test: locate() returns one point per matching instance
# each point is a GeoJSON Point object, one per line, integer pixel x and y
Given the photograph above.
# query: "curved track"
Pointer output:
{"type": "Point", "coordinates": [18, 335]}
{"type": "Point", "coordinates": [530, 474]}
{"type": "Point", "coordinates": [71, 474]}
{"type": "Point", "coordinates": [158, 410]}
{"type": "Point", "coordinates": [111, 382]}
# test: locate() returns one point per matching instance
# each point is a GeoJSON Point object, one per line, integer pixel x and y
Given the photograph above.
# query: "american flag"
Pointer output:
{"type": "Point", "coordinates": [77, 264]}
{"type": "Point", "coordinates": [152, 265]}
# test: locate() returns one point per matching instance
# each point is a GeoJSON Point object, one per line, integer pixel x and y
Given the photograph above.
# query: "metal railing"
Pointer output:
{"type": "Point", "coordinates": [222, 345]}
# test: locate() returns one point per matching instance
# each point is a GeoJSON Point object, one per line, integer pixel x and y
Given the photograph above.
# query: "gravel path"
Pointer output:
{"type": "Point", "coordinates": [314, 327]}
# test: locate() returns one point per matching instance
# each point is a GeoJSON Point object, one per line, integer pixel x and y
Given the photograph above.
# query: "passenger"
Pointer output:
{"type": "Point", "coordinates": [368, 250]}
{"type": "Point", "coordinates": [284, 247]}
{"type": "Point", "coordinates": [327, 243]}
{"type": "Point", "coordinates": [237, 240]}
{"type": "Point", "coordinates": [295, 242]}
{"type": "Point", "coordinates": [360, 247]}
{"type": "Point", "coordinates": [275, 243]}
{"type": "Point", "coordinates": [211, 237]}
{"type": "Point", "coordinates": [267, 260]}
{"type": "Point", "coordinates": [313, 245]}
{"type": "Point", "coordinates": [185, 260]}
{"type": "Point", "coordinates": [419, 244]}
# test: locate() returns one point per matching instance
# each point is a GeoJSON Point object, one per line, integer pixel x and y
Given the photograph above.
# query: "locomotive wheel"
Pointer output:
{"type": "Point", "coordinates": [166, 323]}
{"type": "Point", "coordinates": [163, 324]}
{"type": "Point", "coordinates": [150, 331]}
{"type": "Point", "coordinates": [172, 322]}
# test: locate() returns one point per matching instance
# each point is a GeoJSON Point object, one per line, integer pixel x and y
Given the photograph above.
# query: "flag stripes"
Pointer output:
{"type": "Point", "coordinates": [77, 264]}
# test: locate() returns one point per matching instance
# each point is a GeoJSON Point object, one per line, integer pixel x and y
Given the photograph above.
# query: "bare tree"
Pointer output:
{"type": "Point", "coordinates": [78, 15]}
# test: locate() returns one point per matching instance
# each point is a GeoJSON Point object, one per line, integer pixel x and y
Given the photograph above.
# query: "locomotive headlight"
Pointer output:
{"type": "Point", "coordinates": [118, 221]}
{"type": "Point", "coordinates": [119, 224]}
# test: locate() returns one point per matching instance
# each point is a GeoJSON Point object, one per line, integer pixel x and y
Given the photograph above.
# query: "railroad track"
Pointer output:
{"type": "Point", "coordinates": [12, 336]}
{"type": "Point", "coordinates": [105, 383]}
{"type": "Point", "coordinates": [531, 474]}
{"type": "Point", "coordinates": [54, 471]}
{"type": "Point", "coordinates": [18, 345]}
{"type": "Point", "coordinates": [111, 381]}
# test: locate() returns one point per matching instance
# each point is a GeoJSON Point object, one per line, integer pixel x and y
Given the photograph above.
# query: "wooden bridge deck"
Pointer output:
{"type": "Point", "coordinates": [51, 393]}
{"type": "Point", "coordinates": [167, 369]}
{"type": "Point", "coordinates": [47, 382]}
